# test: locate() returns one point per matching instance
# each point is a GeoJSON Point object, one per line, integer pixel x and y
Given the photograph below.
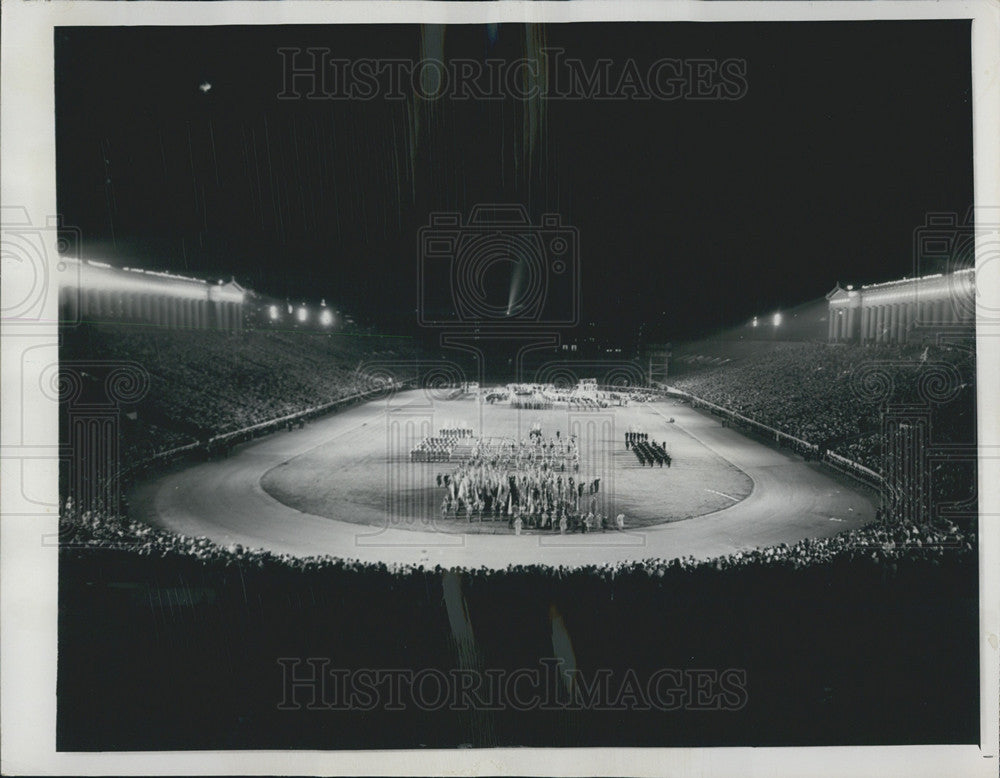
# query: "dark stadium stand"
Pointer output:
{"type": "Point", "coordinates": [818, 392]}
{"type": "Point", "coordinates": [208, 383]}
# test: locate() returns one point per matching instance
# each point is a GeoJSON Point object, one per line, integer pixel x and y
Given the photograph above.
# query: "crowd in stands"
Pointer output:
{"type": "Point", "coordinates": [204, 384]}
{"type": "Point", "coordinates": [883, 542]}
{"type": "Point", "coordinates": [180, 635]}
{"type": "Point", "coordinates": [829, 395]}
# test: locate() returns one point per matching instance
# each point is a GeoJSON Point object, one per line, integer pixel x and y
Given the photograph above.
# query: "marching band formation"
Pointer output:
{"type": "Point", "coordinates": [441, 447]}
{"type": "Point", "coordinates": [646, 450]}
{"type": "Point", "coordinates": [437, 449]}
{"type": "Point", "coordinates": [530, 483]}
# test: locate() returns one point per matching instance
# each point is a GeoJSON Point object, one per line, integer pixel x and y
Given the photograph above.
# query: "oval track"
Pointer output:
{"type": "Point", "coordinates": [224, 501]}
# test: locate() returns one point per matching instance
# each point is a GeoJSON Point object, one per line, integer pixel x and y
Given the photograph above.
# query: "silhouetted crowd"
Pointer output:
{"type": "Point", "coordinates": [204, 383]}
{"type": "Point", "coordinates": [881, 543]}
{"type": "Point", "coordinates": [833, 396]}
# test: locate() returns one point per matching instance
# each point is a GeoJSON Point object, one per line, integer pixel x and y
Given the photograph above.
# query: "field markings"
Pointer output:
{"type": "Point", "coordinates": [723, 494]}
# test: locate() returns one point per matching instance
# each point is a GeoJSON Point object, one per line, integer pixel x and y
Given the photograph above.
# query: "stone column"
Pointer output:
{"type": "Point", "coordinates": [967, 313]}
{"type": "Point", "coordinates": [948, 316]}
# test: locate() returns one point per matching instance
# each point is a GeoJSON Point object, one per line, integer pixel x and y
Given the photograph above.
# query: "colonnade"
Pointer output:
{"type": "Point", "coordinates": [173, 302]}
{"type": "Point", "coordinates": [891, 313]}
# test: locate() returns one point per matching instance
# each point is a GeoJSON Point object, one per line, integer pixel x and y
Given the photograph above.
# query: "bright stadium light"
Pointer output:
{"type": "Point", "coordinates": [302, 314]}
{"type": "Point", "coordinates": [273, 312]}
{"type": "Point", "coordinates": [754, 321]}
{"type": "Point", "coordinates": [777, 319]}
{"type": "Point", "coordinates": [326, 317]}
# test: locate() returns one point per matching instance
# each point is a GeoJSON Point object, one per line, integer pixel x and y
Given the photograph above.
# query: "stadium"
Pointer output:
{"type": "Point", "coordinates": [233, 440]}
{"type": "Point", "coordinates": [329, 397]}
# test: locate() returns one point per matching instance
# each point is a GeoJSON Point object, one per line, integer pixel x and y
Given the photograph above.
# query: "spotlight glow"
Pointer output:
{"type": "Point", "coordinates": [326, 317]}
{"type": "Point", "coordinates": [777, 319]}
{"type": "Point", "coordinates": [302, 314]}
{"type": "Point", "coordinates": [273, 312]}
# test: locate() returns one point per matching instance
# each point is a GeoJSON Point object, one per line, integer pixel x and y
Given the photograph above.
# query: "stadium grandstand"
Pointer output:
{"type": "Point", "coordinates": [154, 366]}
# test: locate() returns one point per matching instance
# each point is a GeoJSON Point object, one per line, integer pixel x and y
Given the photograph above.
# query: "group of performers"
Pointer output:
{"type": "Point", "coordinates": [647, 451]}
{"type": "Point", "coordinates": [529, 483]}
{"type": "Point", "coordinates": [456, 429]}
{"type": "Point", "coordinates": [436, 449]}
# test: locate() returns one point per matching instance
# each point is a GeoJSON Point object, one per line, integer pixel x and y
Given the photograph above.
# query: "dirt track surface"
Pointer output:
{"type": "Point", "coordinates": [344, 486]}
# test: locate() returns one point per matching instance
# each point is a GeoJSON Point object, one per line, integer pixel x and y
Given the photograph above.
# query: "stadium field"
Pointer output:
{"type": "Point", "coordinates": [345, 485]}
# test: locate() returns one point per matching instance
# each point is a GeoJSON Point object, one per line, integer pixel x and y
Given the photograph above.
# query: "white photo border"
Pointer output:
{"type": "Point", "coordinates": [28, 568]}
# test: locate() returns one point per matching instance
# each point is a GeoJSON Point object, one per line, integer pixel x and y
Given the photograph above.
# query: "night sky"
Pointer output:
{"type": "Point", "coordinates": [692, 215]}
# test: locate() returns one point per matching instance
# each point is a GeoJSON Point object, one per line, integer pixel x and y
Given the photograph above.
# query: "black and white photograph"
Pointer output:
{"type": "Point", "coordinates": [447, 384]}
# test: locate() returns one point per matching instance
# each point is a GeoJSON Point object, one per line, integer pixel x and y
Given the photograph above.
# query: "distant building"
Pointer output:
{"type": "Point", "coordinates": [900, 311]}
{"type": "Point", "coordinates": [99, 292]}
